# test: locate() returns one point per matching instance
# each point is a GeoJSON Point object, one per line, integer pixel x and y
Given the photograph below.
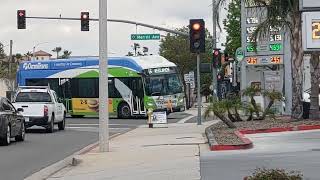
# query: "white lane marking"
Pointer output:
{"type": "Point", "coordinates": [96, 128]}
{"type": "Point", "coordinates": [184, 120]}
{"type": "Point", "coordinates": [98, 125]}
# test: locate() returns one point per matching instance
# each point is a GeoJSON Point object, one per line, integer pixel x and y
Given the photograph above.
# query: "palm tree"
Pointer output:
{"type": "Point", "coordinates": [273, 96]}
{"type": "Point", "coordinates": [66, 54]}
{"type": "Point", "coordinates": [28, 55]}
{"type": "Point", "coordinates": [219, 108]}
{"type": "Point", "coordinates": [57, 50]}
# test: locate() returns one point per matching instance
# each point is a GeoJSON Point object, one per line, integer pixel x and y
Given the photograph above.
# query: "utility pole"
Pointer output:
{"type": "Point", "coordinates": [214, 45]}
{"type": "Point", "coordinates": [103, 78]}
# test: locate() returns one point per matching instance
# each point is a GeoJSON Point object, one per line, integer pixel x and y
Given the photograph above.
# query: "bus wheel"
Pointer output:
{"type": "Point", "coordinates": [124, 111]}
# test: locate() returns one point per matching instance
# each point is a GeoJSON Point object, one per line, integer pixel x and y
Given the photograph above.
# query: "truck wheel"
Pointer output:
{"type": "Point", "coordinates": [50, 127]}
{"type": "Point", "coordinates": [124, 111]}
{"type": "Point", "coordinates": [62, 124]}
{"type": "Point", "coordinates": [22, 134]}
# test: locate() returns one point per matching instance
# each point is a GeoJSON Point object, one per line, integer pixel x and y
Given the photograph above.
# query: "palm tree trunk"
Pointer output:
{"type": "Point", "coordinates": [315, 76]}
{"type": "Point", "coordinates": [267, 109]}
{"type": "Point", "coordinates": [296, 65]}
{"type": "Point", "coordinates": [229, 123]}
{"type": "Point", "coordinates": [254, 104]}
{"type": "Point", "coordinates": [237, 114]}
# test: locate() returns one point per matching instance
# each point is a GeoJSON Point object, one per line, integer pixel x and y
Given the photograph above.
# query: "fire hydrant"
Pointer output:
{"type": "Point", "coordinates": [150, 112]}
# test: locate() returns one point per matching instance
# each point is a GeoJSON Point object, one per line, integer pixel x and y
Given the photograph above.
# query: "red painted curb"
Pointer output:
{"type": "Point", "coordinates": [270, 130]}
{"type": "Point", "coordinates": [308, 127]}
{"type": "Point", "coordinates": [248, 143]}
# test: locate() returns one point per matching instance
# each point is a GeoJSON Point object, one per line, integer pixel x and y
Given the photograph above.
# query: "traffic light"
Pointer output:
{"type": "Point", "coordinates": [197, 35]}
{"type": "Point", "coordinates": [84, 21]}
{"type": "Point", "coordinates": [216, 60]}
{"type": "Point", "coordinates": [21, 19]}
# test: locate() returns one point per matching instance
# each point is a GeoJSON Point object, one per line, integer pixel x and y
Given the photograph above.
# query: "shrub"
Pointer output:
{"type": "Point", "coordinates": [274, 174]}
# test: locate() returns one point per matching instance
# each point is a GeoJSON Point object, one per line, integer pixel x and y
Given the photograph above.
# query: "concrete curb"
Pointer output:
{"type": "Point", "coordinates": [247, 143]}
{"type": "Point", "coordinates": [71, 160]}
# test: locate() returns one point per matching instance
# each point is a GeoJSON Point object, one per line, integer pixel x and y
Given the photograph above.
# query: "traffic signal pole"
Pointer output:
{"type": "Point", "coordinates": [114, 20]}
{"type": "Point", "coordinates": [103, 78]}
{"type": "Point", "coordinates": [198, 89]}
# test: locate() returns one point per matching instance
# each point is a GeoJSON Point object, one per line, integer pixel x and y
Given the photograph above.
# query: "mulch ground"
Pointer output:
{"type": "Point", "coordinates": [224, 135]}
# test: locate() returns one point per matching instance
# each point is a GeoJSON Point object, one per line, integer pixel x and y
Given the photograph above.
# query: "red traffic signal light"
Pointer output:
{"type": "Point", "coordinates": [197, 35]}
{"type": "Point", "coordinates": [21, 19]}
{"type": "Point", "coordinates": [196, 26]}
{"type": "Point", "coordinates": [216, 52]}
{"type": "Point", "coordinates": [84, 21]}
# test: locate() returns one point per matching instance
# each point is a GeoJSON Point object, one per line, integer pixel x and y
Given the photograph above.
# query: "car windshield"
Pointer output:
{"type": "Point", "coordinates": [161, 85]}
{"type": "Point", "coordinates": [33, 97]}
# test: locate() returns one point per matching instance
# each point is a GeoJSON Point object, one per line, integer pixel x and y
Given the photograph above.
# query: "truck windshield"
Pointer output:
{"type": "Point", "coordinates": [33, 97]}
{"type": "Point", "coordinates": [161, 85]}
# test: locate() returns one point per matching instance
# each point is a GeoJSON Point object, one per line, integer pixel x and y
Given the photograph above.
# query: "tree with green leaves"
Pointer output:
{"type": "Point", "coordinates": [2, 54]}
{"type": "Point", "coordinates": [6, 74]}
{"type": "Point", "coordinates": [57, 50]}
{"type": "Point", "coordinates": [232, 25]}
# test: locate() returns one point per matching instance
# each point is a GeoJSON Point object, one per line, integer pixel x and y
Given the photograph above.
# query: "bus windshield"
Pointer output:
{"type": "Point", "coordinates": [161, 85]}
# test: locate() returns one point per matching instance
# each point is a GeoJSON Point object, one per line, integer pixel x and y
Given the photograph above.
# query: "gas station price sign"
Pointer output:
{"type": "Point", "coordinates": [252, 60]}
{"type": "Point", "coordinates": [275, 47]}
{"type": "Point", "coordinates": [275, 60]}
{"type": "Point", "coordinates": [269, 43]}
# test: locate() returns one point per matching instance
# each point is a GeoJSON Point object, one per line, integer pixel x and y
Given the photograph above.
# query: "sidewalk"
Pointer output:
{"type": "Point", "coordinates": [144, 153]}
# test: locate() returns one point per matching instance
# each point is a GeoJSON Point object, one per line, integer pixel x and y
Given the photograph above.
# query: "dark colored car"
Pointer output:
{"type": "Point", "coordinates": [11, 122]}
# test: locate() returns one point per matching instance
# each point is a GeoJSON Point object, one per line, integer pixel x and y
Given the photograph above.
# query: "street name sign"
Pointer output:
{"type": "Point", "coordinates": [145, 36]}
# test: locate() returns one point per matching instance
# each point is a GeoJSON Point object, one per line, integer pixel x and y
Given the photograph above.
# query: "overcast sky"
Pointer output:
{"type": "Point", "coordinates": [165, 13]}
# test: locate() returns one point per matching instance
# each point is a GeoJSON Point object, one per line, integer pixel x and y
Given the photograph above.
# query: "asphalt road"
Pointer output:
{"type": "Point", "coordinates": [298, 151]}
{"type": "Point", "coordinates": [39, 150]}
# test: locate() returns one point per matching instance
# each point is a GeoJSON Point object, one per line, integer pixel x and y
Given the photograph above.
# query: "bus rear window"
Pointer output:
{"type": "Point", "coordinates": [33, 97]}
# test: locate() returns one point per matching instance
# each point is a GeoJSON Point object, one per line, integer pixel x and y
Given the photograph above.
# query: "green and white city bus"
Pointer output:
{"type": "Point", "coordinates": [136, 84]}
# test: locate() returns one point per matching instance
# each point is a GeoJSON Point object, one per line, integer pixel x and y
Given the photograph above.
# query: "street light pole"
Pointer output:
{"type": "Point", "coordinates": [103, 78]}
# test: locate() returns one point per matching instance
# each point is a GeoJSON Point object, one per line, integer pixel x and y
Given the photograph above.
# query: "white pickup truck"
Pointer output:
{"type": "Point", "coordinates": [41, 107]}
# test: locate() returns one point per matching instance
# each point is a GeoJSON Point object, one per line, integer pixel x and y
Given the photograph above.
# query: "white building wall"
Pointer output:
{"type": "Point", "coordinates": [42, 58]}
